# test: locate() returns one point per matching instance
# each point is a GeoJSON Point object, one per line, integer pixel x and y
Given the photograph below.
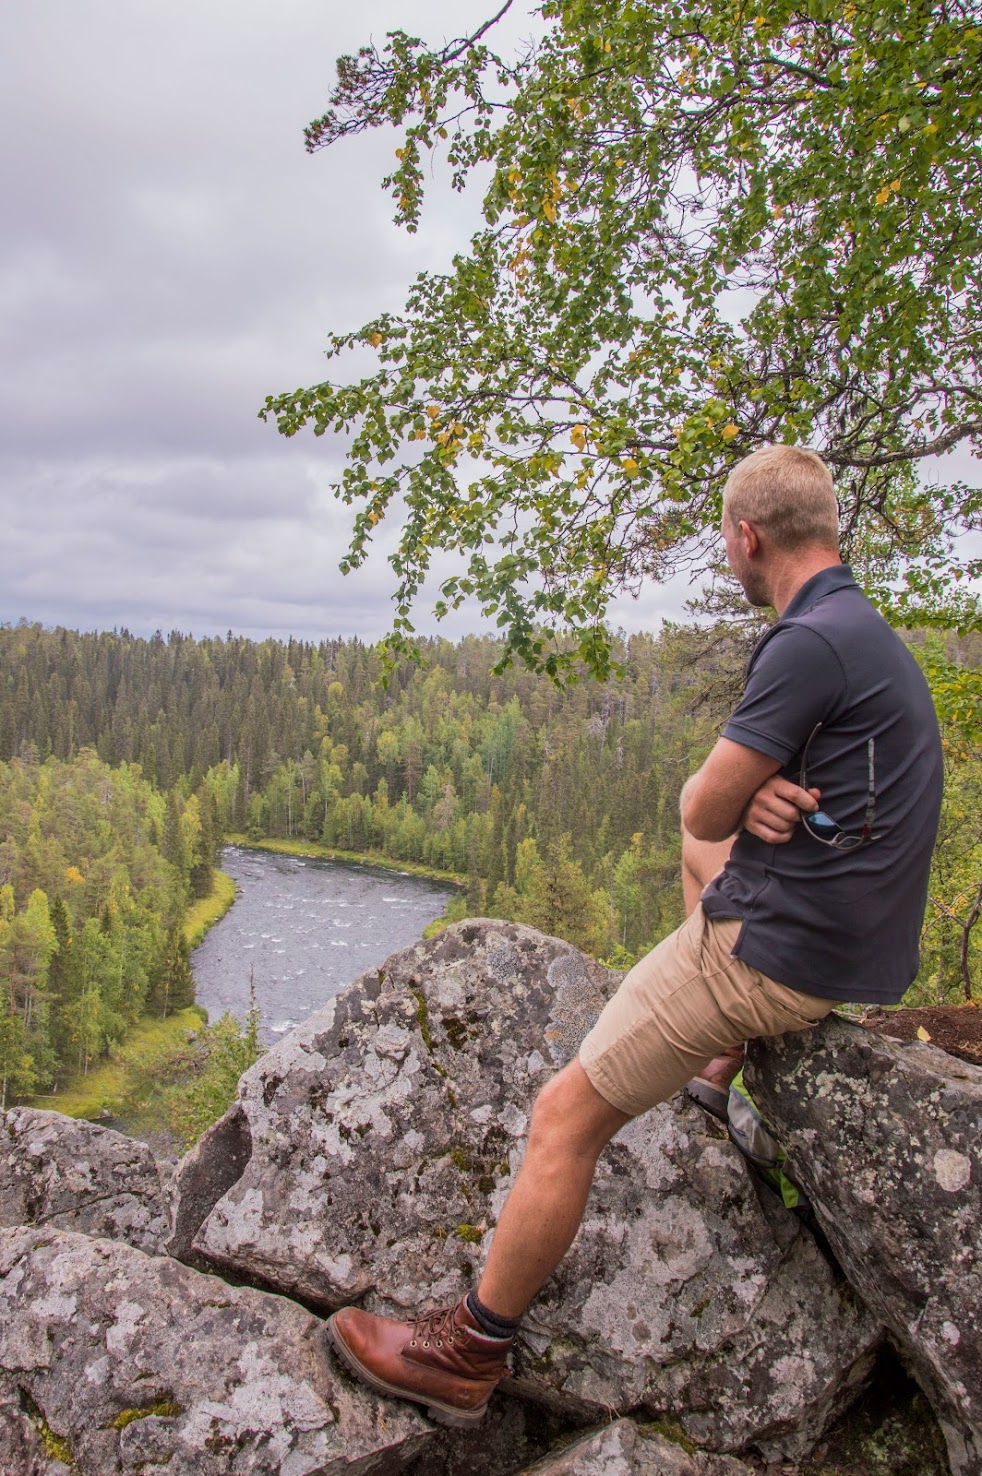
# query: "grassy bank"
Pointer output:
{"type": "Point", "coordinates": [120, 1085]}
{"type": "Point", "coordinates": [113, 1087]}
{"type": "Point", "coordinates": [209, 910]}
{"type": "Point", "coordinates": [355, 858]}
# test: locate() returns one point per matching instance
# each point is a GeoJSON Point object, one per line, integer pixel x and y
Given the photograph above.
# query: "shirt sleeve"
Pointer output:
{"type": "Point", "coordinates": [795, 681]}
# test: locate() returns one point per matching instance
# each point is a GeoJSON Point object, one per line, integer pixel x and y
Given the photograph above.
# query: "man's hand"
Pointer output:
{"type": "Point", "coordinates": [776, 809]}
{"type": "Point", "coordinates": [715, 799]}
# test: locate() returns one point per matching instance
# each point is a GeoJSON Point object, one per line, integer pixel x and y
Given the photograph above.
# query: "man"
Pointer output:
{"type": "Point", "coordinates": [828, 775]}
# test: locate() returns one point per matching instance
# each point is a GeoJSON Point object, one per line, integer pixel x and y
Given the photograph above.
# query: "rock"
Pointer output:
{"type": "Point", "coordinates": [26, 1445]}
{"type": "Point", "coordinates": [113, 1361]}
{"type": "Point", "coordinates": [622, 1449]}
{"type": "Point", "coordinates": [886, 1140]}
{"type": "Point", "coordinates": [73, 1175]}
{"type": "Point", "coordinates": [512, 1435]}
{"type": "Point", "coordinates": [383, 1136]}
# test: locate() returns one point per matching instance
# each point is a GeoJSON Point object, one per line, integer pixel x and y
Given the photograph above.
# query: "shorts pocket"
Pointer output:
{"type": "Point", "coordinates": [802, 1010]}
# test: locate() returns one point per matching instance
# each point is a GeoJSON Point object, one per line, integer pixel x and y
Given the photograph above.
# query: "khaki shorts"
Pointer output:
{"type": "Point", "coordinates": [680, 1006]}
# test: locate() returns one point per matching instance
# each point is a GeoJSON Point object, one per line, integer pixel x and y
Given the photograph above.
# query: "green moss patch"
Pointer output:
{"type": "Point", "coordinates": [164, 1409]}
{"type": "Point", "coordinates": [56, 1447]}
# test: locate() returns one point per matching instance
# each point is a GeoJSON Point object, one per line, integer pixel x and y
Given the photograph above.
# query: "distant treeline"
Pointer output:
{"type": "Point", "coordinates": [558, 807]}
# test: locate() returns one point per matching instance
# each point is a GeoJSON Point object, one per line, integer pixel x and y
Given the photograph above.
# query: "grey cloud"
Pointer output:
{"type": "Point", "coordinates": [170, 256]}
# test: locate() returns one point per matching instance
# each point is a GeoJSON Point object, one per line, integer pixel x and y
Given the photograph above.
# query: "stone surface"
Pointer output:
{"type": "Point", "coordinates": [886, 1140]}
{"type": "Point", "coordinates": [74, 1175]}
{"type": "Point", "coordinates": [622, 1449]}
{"type": "Point", "coordinates": [130, 1363]}
{"type": "Point", "coordinates": [22, 1444]}
{"type": "Point", "coordinates": [382, 1138]}
{"type": "Point", "coordinates": [511, 1436]}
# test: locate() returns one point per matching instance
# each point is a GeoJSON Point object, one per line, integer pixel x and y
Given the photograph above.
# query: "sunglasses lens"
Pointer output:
{"type": "Point", "coordinates": [822, 825]}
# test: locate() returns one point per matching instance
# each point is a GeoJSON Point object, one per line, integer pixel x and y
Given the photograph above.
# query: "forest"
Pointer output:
{"type": "Point", "coordinates": [124, 762]}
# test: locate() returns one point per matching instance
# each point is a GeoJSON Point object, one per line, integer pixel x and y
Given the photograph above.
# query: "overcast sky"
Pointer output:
{"type": "Point", "coordinates": [170, 256]}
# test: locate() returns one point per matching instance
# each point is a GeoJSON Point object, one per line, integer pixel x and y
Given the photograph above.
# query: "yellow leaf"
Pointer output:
{"type": "Point", "coordinates": [882, 196]}
{"type": "Point", "coordinates": [433, 411]}
{"type": "Point", "coordinates": [373, 517]}
{"type": "Point", "coordinates": [930, 127]}
{"type": "Point", "coordinates": [630, 466]}
{"type": "Point", "coordinates": [375, 340]}
{"type": "Point", "coordinates": [549, 210]}
{"type": "Point", "coordinates": [895, 186]}
{"type": "Point", "coordinates": [922, 1034]}
{"type": "Point", "coordinates": [578, 436]}
{"type": "Point", "coordinates": [729, 431]}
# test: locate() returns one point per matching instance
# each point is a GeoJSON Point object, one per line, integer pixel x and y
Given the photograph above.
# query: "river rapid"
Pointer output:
{"type": "Point", "coordinates": [303, 929]}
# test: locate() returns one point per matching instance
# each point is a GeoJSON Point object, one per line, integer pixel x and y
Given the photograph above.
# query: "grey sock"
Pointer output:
{"type": "Point", "coordinates": [490, 1322]}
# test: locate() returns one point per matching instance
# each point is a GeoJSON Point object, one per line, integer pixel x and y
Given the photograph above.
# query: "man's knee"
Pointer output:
{"type": "Point", "coordinates": [702, 860]}
{"type": "Point", "coordinates": [570, 1115]}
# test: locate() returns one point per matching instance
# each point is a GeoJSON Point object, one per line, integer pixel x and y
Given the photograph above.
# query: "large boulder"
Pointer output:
{"type": "Point", "coordinates": [374, 1149]}
{"type": "Point", "coordinates": [886, 1139]}
{"type": "Point", "coordinates": [74, 1175]}
{"type": "Point", "coordinates": [622, 1449]}
{"type": "Point", "coordinates": [114, 1361]}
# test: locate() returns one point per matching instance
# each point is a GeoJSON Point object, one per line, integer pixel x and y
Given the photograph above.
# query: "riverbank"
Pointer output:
{"type": "Point", "coordinates": [315, 851]}
{"type": "Point", "coordinates": [207, 911]}
{"type": "Point", "coordinates": [115, 1087]}
{"type": "Point", "coordinates": [123, 1085]}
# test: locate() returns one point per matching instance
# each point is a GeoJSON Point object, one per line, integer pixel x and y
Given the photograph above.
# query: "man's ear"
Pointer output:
{"type": "Point", "coordinates": [748, 533]}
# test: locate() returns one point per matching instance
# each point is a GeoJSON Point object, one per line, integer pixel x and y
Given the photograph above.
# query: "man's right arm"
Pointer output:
{"type": "Point", "coordinates": [733, 791]}
{"type": "Point", "coordinates": [795, 681]}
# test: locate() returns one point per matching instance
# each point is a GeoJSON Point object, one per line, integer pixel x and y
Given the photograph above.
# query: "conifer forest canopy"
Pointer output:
{"type": "Point", "coordinates": [706, 226]}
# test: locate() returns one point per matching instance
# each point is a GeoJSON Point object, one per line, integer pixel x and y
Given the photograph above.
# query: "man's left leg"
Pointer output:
{"type": "Point", "coordinates": [701, 861]}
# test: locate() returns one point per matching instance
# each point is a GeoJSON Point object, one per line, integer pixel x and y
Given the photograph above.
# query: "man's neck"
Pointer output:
{"type": "Point", "coordinates": [796, 572]}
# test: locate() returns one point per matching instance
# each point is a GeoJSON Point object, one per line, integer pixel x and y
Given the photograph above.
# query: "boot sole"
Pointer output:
{"type": "Point", "coordinates": [441, 1414]}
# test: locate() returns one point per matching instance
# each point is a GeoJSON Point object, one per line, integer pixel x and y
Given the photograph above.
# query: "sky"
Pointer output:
{"type": "Point", "coordinates": [170, 256]}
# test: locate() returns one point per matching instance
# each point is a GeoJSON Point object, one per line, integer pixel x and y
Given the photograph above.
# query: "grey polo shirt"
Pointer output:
{"type": "Point", "coordinates": [842, 925]}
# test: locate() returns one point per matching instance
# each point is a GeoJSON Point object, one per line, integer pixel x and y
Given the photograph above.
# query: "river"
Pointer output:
{"type": "Point", "coordinates": [304, 929]}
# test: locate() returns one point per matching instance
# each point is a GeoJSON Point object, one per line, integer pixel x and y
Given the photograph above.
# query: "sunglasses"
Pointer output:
{"type": "Point", "coordinates": [823, 827]}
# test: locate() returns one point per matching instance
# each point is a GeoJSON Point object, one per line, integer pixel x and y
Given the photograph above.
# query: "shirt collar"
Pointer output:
{"type": "Point", "coordinates": [837, 576]}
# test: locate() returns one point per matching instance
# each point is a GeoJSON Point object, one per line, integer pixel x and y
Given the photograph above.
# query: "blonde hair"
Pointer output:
{"type": "Point", "coordinates": [787, 492]}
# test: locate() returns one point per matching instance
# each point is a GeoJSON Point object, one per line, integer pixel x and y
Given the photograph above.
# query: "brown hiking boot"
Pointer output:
{"type": "Point", "coordinates": [444, 1360]}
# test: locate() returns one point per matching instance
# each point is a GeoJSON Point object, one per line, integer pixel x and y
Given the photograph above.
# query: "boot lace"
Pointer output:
{"type": "Point", "coordinates": [434, 1328]}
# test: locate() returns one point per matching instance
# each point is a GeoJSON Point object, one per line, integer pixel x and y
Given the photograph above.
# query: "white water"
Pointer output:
{"type": "Point", "coordinates": [305, 928]}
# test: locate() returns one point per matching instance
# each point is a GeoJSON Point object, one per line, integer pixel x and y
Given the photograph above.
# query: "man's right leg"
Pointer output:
{"type": "Point", "coordinates": [450, 1361]}
{"type": "Point", "coordinates": [571, 1123]}
{"type": "Point", "coordinates": [682, 1004]}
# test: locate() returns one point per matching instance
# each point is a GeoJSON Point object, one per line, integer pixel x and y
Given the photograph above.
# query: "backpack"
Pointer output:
{"type": "Point", "coordinates": [749, 1132]}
